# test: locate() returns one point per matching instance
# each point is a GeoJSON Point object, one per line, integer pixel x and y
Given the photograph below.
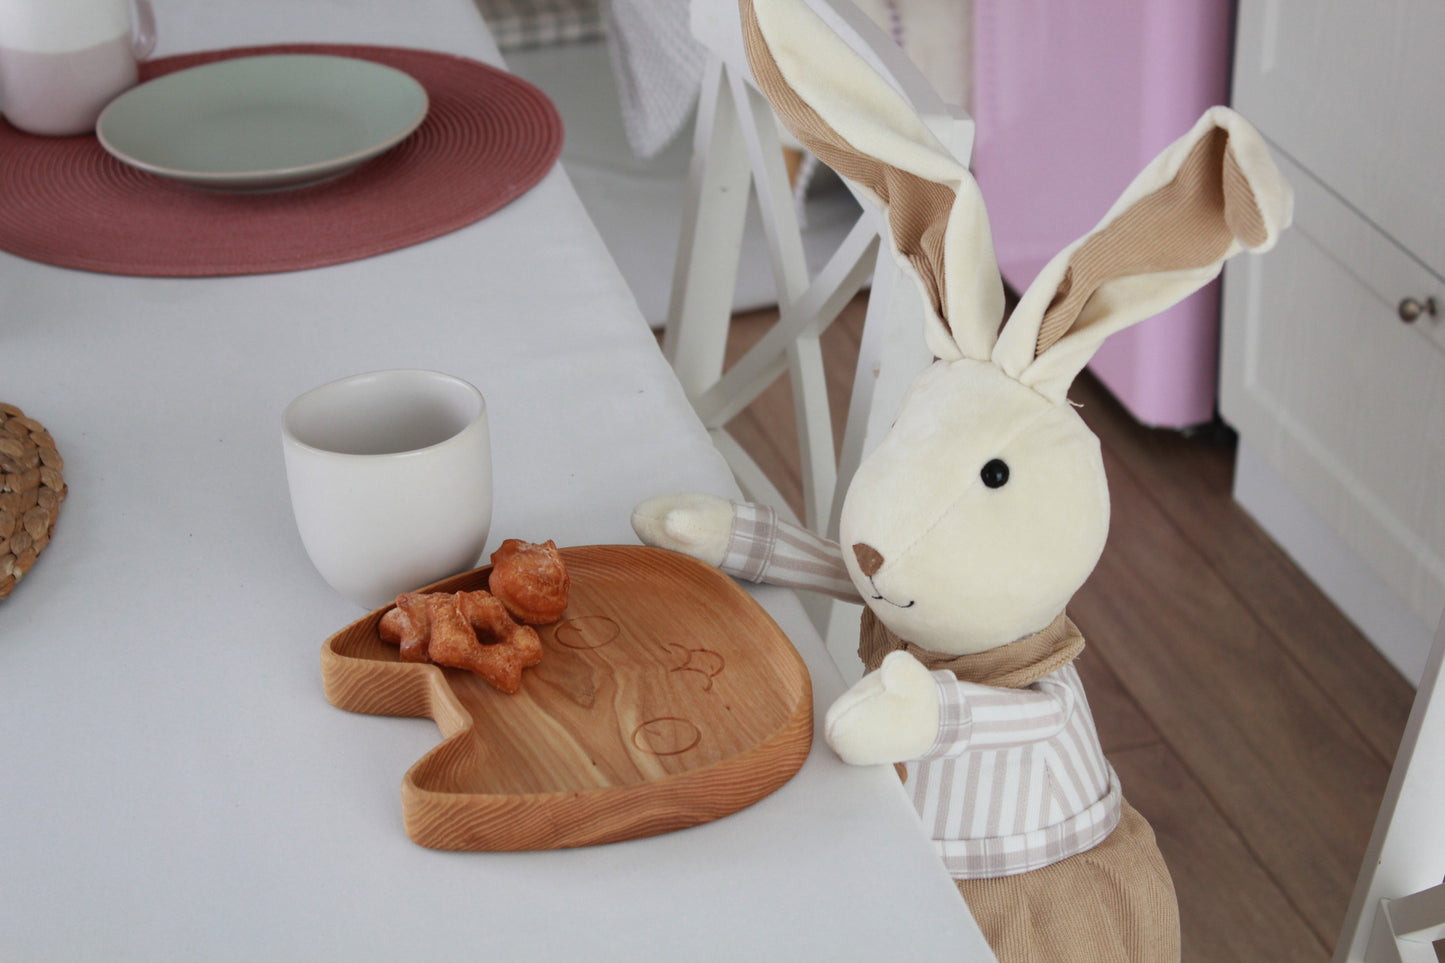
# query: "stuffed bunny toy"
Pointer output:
{"type": "Point", "coordinates": [985, 507]}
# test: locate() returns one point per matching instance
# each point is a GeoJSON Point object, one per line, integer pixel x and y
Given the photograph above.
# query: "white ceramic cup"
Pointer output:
{"type": "Point", "coordinates": [62, 61]}
{"type": "Point", "coordinates": [391, 480]}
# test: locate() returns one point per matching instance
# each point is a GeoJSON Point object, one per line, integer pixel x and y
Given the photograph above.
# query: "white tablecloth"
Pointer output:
{"type": "Point", "coordinates": [174, 785]}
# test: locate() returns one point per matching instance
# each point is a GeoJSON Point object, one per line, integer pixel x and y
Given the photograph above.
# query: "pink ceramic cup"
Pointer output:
{"type": "Point", "coordinates": [62, 61]}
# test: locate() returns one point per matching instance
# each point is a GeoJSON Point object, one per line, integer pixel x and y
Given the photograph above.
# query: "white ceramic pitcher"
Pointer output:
{"type": "Point", "coordinates": [62, 61]}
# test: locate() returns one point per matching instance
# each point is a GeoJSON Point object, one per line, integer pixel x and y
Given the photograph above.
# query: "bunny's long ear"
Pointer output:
{"type": "Point", "coordinates": [834, 102]}
{"type": "Point", "coordinates": [1209, 195]}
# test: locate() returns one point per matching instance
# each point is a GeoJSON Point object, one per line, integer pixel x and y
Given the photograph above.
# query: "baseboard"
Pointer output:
{"type": "Point", "coordinates": [1375, 609]}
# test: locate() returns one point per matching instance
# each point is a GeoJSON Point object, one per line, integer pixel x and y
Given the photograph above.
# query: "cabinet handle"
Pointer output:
{"type": "Point", "coordinates": [1412, 308]}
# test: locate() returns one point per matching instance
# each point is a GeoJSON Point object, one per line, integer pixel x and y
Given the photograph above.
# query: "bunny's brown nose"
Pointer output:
{"type": "Point", "coordinates": [870, 560]}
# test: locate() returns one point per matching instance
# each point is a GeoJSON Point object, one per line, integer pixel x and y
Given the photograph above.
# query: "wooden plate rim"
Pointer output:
{"type": "Point", "coordinates": [490, 821]}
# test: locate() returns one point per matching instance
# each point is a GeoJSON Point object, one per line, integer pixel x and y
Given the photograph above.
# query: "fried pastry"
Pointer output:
{"type": "Point", "coordinates": [530, 579]}
{"type": "Point", "coordinates": [479, 636]}
{"type": "Point", "coordinates": [401, 626]}
{"type": "Point", "coordinates": [463, 630]}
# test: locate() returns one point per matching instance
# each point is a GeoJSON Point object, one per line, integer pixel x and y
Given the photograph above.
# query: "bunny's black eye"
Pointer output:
{"type": "Point", "coordinates": [995, 473]}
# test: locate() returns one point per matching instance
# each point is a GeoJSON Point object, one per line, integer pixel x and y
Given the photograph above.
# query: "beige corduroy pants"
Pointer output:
{"type": "Point", "coordinates": [1110, 904]}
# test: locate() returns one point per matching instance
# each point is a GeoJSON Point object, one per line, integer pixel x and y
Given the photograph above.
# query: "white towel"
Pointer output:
{"type": "Point", "coordinates": [658, 66]}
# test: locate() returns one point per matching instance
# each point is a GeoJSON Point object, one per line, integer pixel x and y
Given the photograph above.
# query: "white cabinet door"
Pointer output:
{"type": "Point", "coordinates": [1344, 400]}
{"type": "Point", "coordinates": [1355, 92]}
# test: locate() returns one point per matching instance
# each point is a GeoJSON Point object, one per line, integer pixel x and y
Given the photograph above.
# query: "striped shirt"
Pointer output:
{"type": "Point", "coordinates": [762, 548]}
{"type": "Point", "coordinates": [1015, 779]}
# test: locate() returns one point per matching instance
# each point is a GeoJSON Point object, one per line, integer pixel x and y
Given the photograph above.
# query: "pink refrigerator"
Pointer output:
{"type": "Point", "coordinates": [1072, 98]}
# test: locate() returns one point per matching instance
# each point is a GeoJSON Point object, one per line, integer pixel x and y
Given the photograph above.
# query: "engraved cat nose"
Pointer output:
{"type": "Point", "coordinates": [870, 560]}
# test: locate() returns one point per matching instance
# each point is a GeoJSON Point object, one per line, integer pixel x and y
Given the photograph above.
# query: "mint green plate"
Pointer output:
{"type": "Point", "coordinates": [264, 122]}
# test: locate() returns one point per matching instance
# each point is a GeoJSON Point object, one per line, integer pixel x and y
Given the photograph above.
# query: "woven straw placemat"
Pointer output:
{"type": "Point", "coordinates": [488, 137]}
{"type": "Point", "coordinates": [31, 490]}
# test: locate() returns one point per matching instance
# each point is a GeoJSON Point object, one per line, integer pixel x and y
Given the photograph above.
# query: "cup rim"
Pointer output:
{"type": "Point", "coordinates": [289, 413]}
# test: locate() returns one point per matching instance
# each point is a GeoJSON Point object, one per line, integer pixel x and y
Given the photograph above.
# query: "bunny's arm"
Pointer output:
{"type": "Point", "coordinates": [745, 539]}
{"type": "Point", "coordinates": [979, 717]}
{"type": "Point", "coordinates": [764, 548]}
{"type": "Point", "coordinates": [901, 711]}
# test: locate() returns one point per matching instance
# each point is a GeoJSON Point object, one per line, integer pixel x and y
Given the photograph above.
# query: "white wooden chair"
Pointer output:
{"type": "Point", "coordinates": [1398, 908]}
{"type": "Point", "coordinates": [737, 146]}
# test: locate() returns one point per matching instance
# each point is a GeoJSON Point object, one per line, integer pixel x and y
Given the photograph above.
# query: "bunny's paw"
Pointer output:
{"type": "Point", "coordinates": [694, 524]}
{"type": "Point", "coordinates": [891, 714]}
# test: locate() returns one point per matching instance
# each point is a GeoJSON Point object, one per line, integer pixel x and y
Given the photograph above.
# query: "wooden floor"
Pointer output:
{"type": "Point", "coordinates": [1248, 720]}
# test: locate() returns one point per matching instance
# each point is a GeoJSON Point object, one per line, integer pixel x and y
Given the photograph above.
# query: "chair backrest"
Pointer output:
{"type": "Point", "coordinates": [736, 147]}
{"type": "Point", "coordinates": [1398, 907]}
{"type": "Point", "coordinates": [716, 25]}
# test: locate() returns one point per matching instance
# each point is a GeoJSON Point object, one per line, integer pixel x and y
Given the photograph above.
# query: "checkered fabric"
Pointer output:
{"type": "Point", "coordinates": [519, 24]}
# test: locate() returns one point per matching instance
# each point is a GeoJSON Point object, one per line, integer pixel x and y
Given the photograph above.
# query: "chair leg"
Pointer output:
{"type": "Point", "coordinates": [710, 244]}
{"type": "Point", "coordinates": [754, 483]}
{"type": "Point", "coordinates": [891, 355]}
{"type": "Point", "coordinates": [814, 416]}
{"type": "Point", "coordinates": [1406, 928]}
{"type": "Point", "coordinates": [776, 202]}
{"type": "Point", "coordinates": [1407, 849]}
{"type": "Point", "coordinates": [838, 623]}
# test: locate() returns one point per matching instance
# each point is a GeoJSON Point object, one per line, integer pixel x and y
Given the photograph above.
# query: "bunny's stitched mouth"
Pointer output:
{"type": "Point", "coordinates": [880, 597]}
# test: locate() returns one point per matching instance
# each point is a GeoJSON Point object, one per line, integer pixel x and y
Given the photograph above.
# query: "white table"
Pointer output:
{"type": "Point", "coordinates": [174, 785]}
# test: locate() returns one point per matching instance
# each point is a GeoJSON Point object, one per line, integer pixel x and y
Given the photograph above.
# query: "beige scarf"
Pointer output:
{"type": "Point", "coordinates": [1010, 666]}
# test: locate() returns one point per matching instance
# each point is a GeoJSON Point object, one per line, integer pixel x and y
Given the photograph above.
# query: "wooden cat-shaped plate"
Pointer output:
{"type": "Point", "coordinates": [666, 697]}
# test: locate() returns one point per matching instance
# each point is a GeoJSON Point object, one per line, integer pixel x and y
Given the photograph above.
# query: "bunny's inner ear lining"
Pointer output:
{"type": "Point", "coordinates": [1190, 222]}
{"type": "Point", "coordinates": [917, 208]}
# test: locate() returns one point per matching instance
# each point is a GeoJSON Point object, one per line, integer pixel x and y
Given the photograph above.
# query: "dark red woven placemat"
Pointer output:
{"type": "Point", "coordinates": [487, 138]}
